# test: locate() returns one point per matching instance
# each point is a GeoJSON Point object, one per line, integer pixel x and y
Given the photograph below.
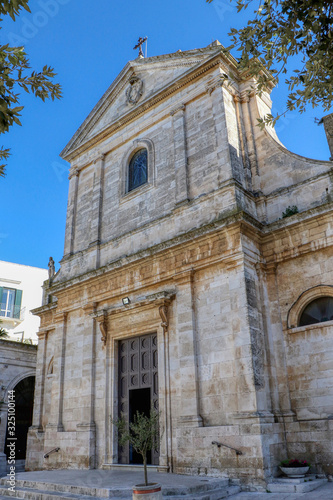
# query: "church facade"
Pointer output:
{"type": "Point", "coordinates": [197, 278]}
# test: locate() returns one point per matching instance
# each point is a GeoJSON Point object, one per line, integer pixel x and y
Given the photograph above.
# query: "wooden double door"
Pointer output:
{"type": "Point", "coordinates": [138, 387]}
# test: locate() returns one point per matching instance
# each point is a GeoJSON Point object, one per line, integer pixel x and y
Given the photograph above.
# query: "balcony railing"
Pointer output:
{"type": "Point", "coordinates": [15, 312]}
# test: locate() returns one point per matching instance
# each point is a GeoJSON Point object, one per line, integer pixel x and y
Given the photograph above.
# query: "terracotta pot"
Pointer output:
{"type": "Point", "coordinates": [294, 472]}
{"type": "Point", "coordinates": [153, 491]}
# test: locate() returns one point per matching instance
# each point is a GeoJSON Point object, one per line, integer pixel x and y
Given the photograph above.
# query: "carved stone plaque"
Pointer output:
{"type": "Point", "coordinates": [135, 90]}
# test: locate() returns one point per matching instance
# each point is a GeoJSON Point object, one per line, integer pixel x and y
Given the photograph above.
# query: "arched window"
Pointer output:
{"type": "Point", "coordinates": [318, 311]}
{"type": "Point", "coordinates": [137, 170]}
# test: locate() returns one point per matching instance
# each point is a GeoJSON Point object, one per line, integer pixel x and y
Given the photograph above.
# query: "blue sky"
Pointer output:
{"type": "Point", "coordinates": [88, 43]}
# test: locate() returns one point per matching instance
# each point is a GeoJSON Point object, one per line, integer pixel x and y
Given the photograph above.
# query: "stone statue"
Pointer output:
{"type": "Point", "coordinates": [51, 268]}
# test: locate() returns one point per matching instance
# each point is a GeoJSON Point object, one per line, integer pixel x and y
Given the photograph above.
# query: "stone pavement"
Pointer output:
{"type": "Point", "coordinates": [100, 479]}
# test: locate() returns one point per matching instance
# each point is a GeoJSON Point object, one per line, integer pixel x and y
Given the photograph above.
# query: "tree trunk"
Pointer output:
{"type": "Point", "coordinates": [145, 469]}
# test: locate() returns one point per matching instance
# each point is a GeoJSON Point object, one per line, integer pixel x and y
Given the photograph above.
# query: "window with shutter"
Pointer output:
{"type": "Point", "coordinates": [10, 302]}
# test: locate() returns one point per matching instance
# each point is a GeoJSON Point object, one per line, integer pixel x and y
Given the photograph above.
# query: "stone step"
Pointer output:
{"type": "Point", "coordinates": [215, 494]}
{"type": "Point", "coordinates": [205, 486]}
{"type": "Point", "coordinates": [31, 490]}
{"type": "Point", "coordinates": [38, 494]}
{"type": "Point", "coordinates": [76, 491]}
{"type": "Point", "coordinates": [302, 485]}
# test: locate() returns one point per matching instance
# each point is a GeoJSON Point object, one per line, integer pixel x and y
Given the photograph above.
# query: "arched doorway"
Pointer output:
{"type": "Point", "coordinates": [24, 399]}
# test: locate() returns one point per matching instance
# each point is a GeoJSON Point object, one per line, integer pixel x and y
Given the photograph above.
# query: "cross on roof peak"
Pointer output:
{"type": "Point", "coordinates": [139, 45]}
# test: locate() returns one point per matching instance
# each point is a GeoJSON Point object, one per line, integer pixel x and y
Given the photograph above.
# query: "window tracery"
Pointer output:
{"type": "Point", "coordinates": [138, 169]}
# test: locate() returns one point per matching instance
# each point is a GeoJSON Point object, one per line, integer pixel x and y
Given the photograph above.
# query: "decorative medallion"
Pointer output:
{"type": "Point", "coordinates": [135, 90]}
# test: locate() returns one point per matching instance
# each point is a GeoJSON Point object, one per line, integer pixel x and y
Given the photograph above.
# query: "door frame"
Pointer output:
{"type": "Point", "coordinates": [140, 318]}
{"type": "Point", "coordinates": [139, 383]}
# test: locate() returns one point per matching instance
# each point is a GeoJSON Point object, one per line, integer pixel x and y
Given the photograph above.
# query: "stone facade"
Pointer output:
{"type": "Point", "coordinates": [207, 263]}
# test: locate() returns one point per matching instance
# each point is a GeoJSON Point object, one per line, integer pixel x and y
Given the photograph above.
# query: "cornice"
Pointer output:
{"type": "Point", "coordinates": [44, 309]}
{"type": "Point", "coordinates": [287, 189]}
{"type": "Point", "coordinates": [148, 301]}
{"type": "Point", "coordinates": [246, 223]}
{"type": "Point", "coordinates": [288, 223]}
{"type": "Point", "coordinates": [13, 344]}
{"type": "Point", "coordinates": [278, 230]}
{"type": "Point", "coordinates": [186, 238]}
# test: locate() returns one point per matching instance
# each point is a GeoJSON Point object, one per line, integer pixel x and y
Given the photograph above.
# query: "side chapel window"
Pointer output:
{"type": "Point", "coordinates": [137, 170]}
{"type": "Point", "coordinates": [318, 311]}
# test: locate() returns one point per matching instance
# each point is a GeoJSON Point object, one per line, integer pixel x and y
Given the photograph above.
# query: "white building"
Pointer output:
{"type": "Point", "coordinates": [20, 291]}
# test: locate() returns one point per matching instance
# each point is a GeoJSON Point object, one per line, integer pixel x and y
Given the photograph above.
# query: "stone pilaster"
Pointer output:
{"type": "Point", "coordinates": [215, 90]}
{"type": "Point", "coordinates": [57, 397]}
{"type": "Point", "coordinates": [243, 142]}
{"type": "Point", "coordinates": [96, 205]}
{"type": "Point", "coordinates": [37, 421]}
{"type": "Point", "coordinates": [251, 146]}
{"type": "Point", "coordinates": [248, 354]}
{"type": "Point", "coordinates": [165, 387]}
{"type": "Point", "coordinates": [71, 211]}
{"type": "Point", "coordinates": [180, 154]}
{"type": "Point", "coordinates": [189, 412]}
{"type": "Point", "coordinates": [88, 424]}
{"type": "Point", "coordinates": [279, 386]}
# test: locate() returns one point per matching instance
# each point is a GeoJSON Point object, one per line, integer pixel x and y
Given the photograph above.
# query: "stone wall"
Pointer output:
{"type": "Point", "coordinates": [204, 242]}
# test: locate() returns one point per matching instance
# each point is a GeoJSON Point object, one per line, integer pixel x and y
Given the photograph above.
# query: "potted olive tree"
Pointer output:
{"type": "Point", "coordinates": [143, 434]}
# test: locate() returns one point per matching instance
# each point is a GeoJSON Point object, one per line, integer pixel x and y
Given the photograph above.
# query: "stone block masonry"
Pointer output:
{"type": "Point", "coordinates": [199, 258]}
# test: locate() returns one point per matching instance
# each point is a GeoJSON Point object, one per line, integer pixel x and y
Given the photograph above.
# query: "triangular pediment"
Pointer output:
{"type": "Point", "coordinates": [138, 82]}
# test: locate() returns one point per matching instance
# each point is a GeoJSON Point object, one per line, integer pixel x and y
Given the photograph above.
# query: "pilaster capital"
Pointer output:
{"type": "Point", "coordinates": [271, 268]}
{"type": "Point", "coordinates": [61, 316]}
{"type": "Point", "coordinates": [74, 172]}
{"type": "Point", "coordinates": [184, 277]}
{"type": "Point", "coordinates": [246, 95]}
{"type": "Point", "coordinates": [42, 333]}
{"type": "Point", "coordinates": [99, 157]}
{"type": "Point", "coordinates": [175, 110]}
{"type": "Point", "coordinates": [216, 83]}
{"type": "Point", "coordinates": [89, 308]}
{"type": "Point", "coordinates": [268, 269]}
